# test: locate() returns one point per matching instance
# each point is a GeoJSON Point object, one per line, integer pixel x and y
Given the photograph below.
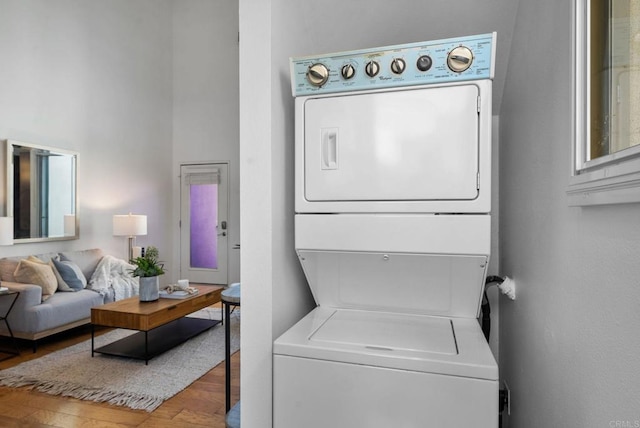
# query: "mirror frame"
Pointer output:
{"type": "Point", "coordinates": [9, 188]}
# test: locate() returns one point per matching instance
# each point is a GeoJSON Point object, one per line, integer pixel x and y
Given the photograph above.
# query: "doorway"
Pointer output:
{"type": "Point", "coordinates": [204, 216]}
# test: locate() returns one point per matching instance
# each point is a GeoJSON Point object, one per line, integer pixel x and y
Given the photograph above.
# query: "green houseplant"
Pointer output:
{"type": "Point", "coordinates": [148, 265]}
{"type": "Point", "coordinates": [148, 269]}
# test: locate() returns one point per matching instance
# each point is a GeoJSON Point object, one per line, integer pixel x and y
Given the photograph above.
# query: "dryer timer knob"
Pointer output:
{"type": "Point", "coordinates": [317, 74]}
{"type": "Point", "coordinates": [460, 59]}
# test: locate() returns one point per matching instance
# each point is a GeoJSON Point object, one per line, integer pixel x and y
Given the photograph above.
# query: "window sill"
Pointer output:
{"type": "Point", "coordinates": [614, 184]}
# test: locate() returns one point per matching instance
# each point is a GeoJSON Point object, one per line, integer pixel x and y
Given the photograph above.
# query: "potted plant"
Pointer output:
{"type": "Point", "coordinates": [149, 269]}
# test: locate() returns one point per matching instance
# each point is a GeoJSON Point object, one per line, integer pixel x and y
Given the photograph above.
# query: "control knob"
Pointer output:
{"type": "Point", "coordinates": [398, 65]}
{"type": "Point", "coordinates": [372, 68]}
{"type": "Point", "coordinates": [347, 71]}
{"type": "Point", "coordinates": [424, 63]}
{"type": "Point", "coordinates": [318, 74]}
{"type": "Point", "coordinates": [460, 59]}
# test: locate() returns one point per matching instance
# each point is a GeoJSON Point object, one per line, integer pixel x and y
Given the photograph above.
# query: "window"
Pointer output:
{"type": "Point", "coordinates": [204, 225]}
{"type": "Point", "coordinates": [607, 102]}
{"type": "Point", "coordinates": [203, 215]}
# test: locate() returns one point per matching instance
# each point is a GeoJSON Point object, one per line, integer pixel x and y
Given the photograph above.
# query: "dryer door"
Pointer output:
{"type": "Point", "coordinates": [411, 145]}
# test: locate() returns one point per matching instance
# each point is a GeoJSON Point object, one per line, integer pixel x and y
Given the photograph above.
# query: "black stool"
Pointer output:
{"type": "Point", "coordinates": [230, 297]}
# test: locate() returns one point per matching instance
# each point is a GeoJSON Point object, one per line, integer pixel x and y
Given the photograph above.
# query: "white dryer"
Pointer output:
{"type": "Point", "coordinates": [393, 196]}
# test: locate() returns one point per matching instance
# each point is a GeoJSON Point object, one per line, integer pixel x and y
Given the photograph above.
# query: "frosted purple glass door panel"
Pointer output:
{"type": "Point", "coordinates": [204, 222]}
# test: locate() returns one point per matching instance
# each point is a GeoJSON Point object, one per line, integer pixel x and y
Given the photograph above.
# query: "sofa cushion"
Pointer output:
{"type": "Point", "coordinates": [8, 265]}
{"type": "Point", "coordinates": [45, 257]}
{"type": "Point", "coordinates": [7, 268]}
{"type": "Point", "coordinates": [29, 272]}
{"type": "Point", "coordinates": [87, 260]}
{"type": "Point", "coordinates": [70, 274]}
{"type": "Point", "coordinates": [60, 309]}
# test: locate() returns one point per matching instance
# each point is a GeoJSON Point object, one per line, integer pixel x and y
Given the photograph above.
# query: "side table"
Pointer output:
{"type": "Point", "coordinates": [3, 317]}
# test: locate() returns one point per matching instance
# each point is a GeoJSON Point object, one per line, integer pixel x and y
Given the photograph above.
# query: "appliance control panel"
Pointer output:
{"type": "Point", "coordinates": [438, 61]}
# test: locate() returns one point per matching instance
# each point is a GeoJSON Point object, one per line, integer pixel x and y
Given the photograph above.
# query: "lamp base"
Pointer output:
{"type": "Point", "coordinates": [132, 241]}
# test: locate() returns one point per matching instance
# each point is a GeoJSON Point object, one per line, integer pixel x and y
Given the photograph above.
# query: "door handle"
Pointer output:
{"type": "Point", "coordinates": [329, 142]}
{"type": "Point", "coordinates": [223, 227]}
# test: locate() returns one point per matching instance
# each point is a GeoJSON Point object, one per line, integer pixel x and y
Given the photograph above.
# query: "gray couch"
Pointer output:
{"type": "Point", "coordinates": [32, 318]}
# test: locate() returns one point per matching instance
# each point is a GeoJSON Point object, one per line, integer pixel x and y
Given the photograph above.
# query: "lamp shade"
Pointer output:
{"type": "Point", "coordinates": [129, 225]}
{"type": "Point", "coordinates": [6, 230]}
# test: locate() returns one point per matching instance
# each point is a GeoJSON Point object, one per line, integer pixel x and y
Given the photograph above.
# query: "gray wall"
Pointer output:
{"type": "Point", "coordinates": [275, 294]}
{"type": "Point", "coordinates": [569, 344]}
{"type": "Point", "coordinates": [206, 103]}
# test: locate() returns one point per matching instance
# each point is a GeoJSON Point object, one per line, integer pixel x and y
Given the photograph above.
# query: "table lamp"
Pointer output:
{"type": "Point", "coordinates": [130, 225]}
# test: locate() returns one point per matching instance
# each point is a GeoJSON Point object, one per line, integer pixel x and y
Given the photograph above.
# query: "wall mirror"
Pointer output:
{"type": "Point", "coordinates": [41, 192]}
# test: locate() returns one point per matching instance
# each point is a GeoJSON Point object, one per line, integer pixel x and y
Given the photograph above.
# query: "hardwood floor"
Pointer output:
{"type": "Point", "coordinates": [200, 405]}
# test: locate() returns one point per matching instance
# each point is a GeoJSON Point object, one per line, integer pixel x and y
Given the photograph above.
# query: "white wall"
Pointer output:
{"type": "Point", "coordinates": [275, 294]}
{"type": "Point", "coordinates": [94, 77]}
{"type": "Point", "coordinates": [256, 192]}
{"type": "Point", "coordinates": [206, 104]}
{"type": "Point", "coordinates": [136, 87]}
{"type": "Point", "coordinates": [569, 344]}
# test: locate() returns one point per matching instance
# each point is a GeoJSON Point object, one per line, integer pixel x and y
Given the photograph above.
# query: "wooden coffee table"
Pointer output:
{"type": "Point", "coordinates": [161, 324]}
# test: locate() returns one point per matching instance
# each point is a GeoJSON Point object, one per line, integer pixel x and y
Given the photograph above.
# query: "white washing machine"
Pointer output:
{"type": "Point", "coordinates": [392, 229]}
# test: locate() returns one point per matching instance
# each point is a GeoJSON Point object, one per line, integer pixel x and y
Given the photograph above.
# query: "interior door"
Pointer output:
{"type": "Point", "coordinates": [204, 223]}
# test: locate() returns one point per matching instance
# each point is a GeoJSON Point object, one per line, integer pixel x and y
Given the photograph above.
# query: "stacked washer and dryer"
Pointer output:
{"type": "Point", "coordinates": [392, 229]}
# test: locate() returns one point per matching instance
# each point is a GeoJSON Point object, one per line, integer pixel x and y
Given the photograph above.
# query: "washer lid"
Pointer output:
{"type": "Point", "coordinates": [389, 282]}
{"type": "Point", "coordinates": [421, 343]}
{"type": "Point", "coordinates": [388, 332]}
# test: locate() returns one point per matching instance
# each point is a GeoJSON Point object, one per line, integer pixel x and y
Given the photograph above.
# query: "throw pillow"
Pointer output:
{"type": "Point", "coordinates": [62, 286]}
{"type": "Point", "coordinates": [36, 260]}
{"type": "Point", "coordinates": [71, 274]}
{"type": "Point", "coordinates": [28, 272]}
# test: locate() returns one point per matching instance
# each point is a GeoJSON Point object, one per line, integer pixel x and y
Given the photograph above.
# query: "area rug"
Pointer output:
{"type": "Point", "coordinates": [72, 372]}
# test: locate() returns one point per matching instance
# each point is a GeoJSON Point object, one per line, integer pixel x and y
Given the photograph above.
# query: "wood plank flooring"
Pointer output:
{"type": "Point", "coordinates": [200, 405]}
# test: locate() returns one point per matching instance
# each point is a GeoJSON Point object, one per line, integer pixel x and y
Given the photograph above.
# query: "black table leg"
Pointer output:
{"type": "Point", "coordinates": [146, 348]}
{"type": "Point", "coordinates": [4, 317]}
{"type": "Point", "coordinates": [227, 359]}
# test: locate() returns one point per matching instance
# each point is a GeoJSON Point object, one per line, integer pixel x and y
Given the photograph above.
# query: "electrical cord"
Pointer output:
{"type": "Point", "coordinates": [486, 329]}
{"type": "Point", "coordinates": [493, 278]}
{"type": "Point", "coordinates": [486, 307]}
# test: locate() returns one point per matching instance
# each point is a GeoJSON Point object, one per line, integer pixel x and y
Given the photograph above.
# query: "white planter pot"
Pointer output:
{"type": "Point", "coordinates": [149, 288]}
